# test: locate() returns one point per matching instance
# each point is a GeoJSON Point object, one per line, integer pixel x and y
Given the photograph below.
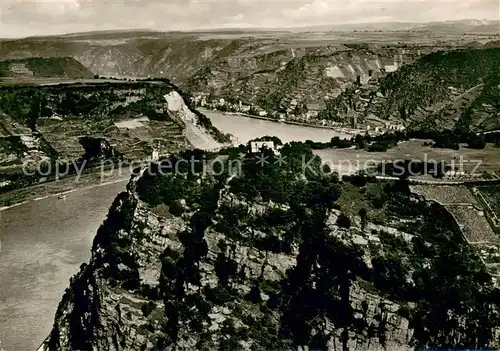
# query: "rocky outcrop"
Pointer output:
{"type": "Point", "coordinates": [197, 136]}
{"type": "Point", "coordinates": [214, 267]}
{"type": "Point", "coordinates": [96, 315]}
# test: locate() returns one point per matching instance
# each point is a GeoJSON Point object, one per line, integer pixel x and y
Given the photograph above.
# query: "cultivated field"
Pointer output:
{"type": "Point", "coordinates": [446, 194]}
{"type": "Point", "coordinates": [491, 194]}
{"type": "Point", "coordinates": [351, 160]}
{"type": "Point", "coordinates": [63, 136]}
{"type": "Point", "coordinates": [132, 138]}
{"type": "Point", "coordinates": [468, 213]}
{"type": "Point", "coordinates": [474, 225]}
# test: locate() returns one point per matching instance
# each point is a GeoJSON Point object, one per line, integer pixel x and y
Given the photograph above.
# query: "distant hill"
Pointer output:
{"type": "Point", "coordinates": [104, 35]}
{"type": "Point", "coordinates": [298, 72]}
{"type": "Point", "coordinates": [457, 89]}
{"type": "Point", "coordinates": [458, 85]}
{"type": "Point", "coordinates": [44, 67]}
{"type": "Point", "coordinates": [460, 26]}
{"type": "Point", "coordinates": [178, 55]}
{"type": "Point", "coordinates": [492, 44]}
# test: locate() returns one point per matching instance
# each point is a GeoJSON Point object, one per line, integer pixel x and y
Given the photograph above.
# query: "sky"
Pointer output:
{"type": "Point", "coordinates": [20, 18]}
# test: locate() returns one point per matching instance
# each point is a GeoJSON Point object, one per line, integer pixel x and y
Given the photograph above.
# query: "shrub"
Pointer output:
{"type": "Point", "coordinates": [147, 308]}
{"type": "Point", "coordinates": [176, 208]}
{"type": "Point", "coordinates": [344, 221]}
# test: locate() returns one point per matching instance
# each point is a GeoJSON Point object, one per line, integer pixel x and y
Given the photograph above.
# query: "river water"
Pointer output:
{"type": "Point", "coordinates": [247, 128]}
{"type": "Point", "coordinates": [43, 243]}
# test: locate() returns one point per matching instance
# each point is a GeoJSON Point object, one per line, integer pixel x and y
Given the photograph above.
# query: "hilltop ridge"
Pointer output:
{"type": "Point", "coordinates": [44, 67]}
{"type": "Point", "coordinates": [446, 90]}
{"type": "Point", "coordinates": [271, 258]}
{"type": "Point", "coordinates": [304, 76]}
{"type": "Point", "coordinates": [85, 123]}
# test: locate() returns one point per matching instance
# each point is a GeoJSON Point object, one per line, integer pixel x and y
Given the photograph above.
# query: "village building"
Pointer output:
{"type": "Point", "coordinates": [311, 114]}
{"type": "Point", "coordinates": [155, 156]}
{"type": "Point", "coordinates": [257, 146]}
{"type": "Point", "coordinates": [245, 108]}
{"type": "Point", "coordinates": [362, 78]}
{"type": "Point", "coordinates": [454, 174]}
{"type": "Point", "coordinates": [390, 65]}
{"type": "Point", "coordinates": [334, 72]}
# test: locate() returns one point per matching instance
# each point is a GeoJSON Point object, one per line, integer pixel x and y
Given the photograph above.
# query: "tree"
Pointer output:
{"type": "Point", "coordinates": [362, 213]}
{"type": "Point", "coordinates": [359, 180]}
{"type": "Point", "coordinates": [477, 142]}
{"type": "Point", "coordinates": [344, 221]}
{"type": "Point", "coordinates": [360, 141]}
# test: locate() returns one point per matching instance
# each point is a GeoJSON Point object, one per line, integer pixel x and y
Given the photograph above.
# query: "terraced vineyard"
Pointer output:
{"type": "Point", "coordinates": [491, 195]}
{"type": "Point", "coordinates": [63, 135]}
{"type": "Point", "coordinates": [446, 194]}
{"type": "Point", "coordinates": [94, 120]}
{"type": "Point", "coordinates": [474, 224]}
{"type": "Point", "coordinates": [133, 142]}
{"type": "Point", "coordinates": [471, 216]}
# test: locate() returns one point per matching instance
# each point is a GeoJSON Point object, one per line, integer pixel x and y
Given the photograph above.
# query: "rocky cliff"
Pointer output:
{"type": "Point", "coordinates": [274, 257]}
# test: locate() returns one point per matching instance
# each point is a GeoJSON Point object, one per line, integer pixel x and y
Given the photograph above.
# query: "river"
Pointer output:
{"type": "Point", "coordinates": [44, 242]}
{"type": "Point", "coordinates": [247, 128]}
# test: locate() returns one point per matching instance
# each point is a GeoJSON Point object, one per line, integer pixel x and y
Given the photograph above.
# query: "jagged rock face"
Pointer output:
{"type": "Point", "coordinates": [197, 136]}
{"type": "Point", "coordinates": [120, 315]}
{"type": "Point", "coordinates": [218, 266]}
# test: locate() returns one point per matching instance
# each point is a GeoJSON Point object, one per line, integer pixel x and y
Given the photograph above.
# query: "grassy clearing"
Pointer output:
{"type": "Point", "coordinates": [354, 198]}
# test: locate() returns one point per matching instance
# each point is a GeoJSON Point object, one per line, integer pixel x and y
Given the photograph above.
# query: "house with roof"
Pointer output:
{"type": "Point", "coordinates": [334, 72]}
{"type": "Point", "coordinates": [390, 66]}
{"type": "Point", "coordinates": [257, 146]}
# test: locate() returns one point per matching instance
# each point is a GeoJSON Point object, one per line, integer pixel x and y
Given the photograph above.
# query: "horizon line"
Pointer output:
{"type": "Point", "coordinates": [244, 28]}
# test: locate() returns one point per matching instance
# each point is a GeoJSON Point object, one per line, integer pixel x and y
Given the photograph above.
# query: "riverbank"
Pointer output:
{"type": "Point", "coordinates": [60, 187]}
